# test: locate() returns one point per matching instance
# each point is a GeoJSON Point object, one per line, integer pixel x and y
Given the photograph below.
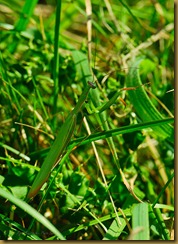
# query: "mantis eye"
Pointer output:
{"type": "Point", "coordinates": [91, 84]}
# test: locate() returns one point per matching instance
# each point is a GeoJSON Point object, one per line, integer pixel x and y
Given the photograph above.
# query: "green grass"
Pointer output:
{"type": "Point", "coordinates": [115, 179]}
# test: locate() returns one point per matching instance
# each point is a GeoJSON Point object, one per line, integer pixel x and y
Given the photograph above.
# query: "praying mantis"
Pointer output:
{"type": "Point", "coordinates": [64, 135]}
{"type": "Point", "coordinates": [67, 129]}
{"type": "Point", "coordinates": [63, 138]}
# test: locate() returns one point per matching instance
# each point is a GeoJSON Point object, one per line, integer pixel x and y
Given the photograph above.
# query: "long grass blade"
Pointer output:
{"type": "Point", "coordinates": [56, 55]}
{"type": "Point", "coordinates": [32, 212]}
{"type": "Point", "coordinates": [119, 131]}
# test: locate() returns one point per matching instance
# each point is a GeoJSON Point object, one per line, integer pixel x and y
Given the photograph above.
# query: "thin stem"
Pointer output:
{"type": "Point", "coordinates": [56, 55]}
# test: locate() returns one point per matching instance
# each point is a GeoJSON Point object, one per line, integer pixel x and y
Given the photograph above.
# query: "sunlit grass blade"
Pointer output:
{"type": "Point", "coordinates": [115, 230]}
{"type": "Point", "coordinates": [143, 104]}
{"type": "Point", "coordinates": [140, 222]}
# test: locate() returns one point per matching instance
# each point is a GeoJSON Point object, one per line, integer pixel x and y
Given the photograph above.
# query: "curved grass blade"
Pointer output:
{"type": "Point", "coordinates": [142, 103]}
{"type": "Point", "coordinates": [32, 212]}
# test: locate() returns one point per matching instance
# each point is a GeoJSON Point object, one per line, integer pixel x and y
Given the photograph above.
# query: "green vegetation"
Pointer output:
{"type": "Point", "coordinates": [114, 143]}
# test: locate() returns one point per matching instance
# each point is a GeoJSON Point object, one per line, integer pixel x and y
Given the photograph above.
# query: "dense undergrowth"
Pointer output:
{"type": "Point", "coordinates": [116, 186]}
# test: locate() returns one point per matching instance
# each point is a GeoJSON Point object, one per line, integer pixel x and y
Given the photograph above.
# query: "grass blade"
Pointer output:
{"type": "Point", "coordinates": [25, 15]}
{"type": "Point", "coordinates": [115, 230]}
{"type": "Point", "coordinates": [143, 104]}
{"type": "Point", "coordinates": [56, 55]}
{"type": "Point", "coordinates": [32, 212]}
{"type": "Point", "coordinates": [17, 231]}
{"type": "Point", "coordinates": [23, 21]}
{"type": "Point", "coordinates": [119, 131]}
{"type": "Point", "coordinates": [140, 222]}
{"type": "Point", "coordinates": [110, 133]}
